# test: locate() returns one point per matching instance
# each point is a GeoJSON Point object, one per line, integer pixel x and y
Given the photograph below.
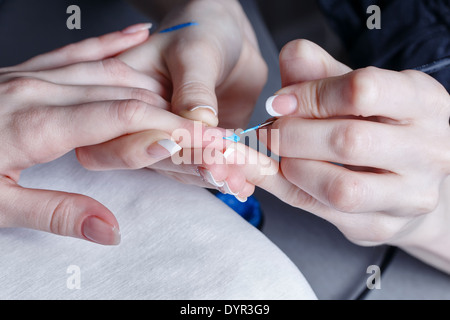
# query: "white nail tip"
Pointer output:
{"type": "Point", "coordinates": [205, 107]}
{"type": "Point", "coordinates": [228, 152]}
{"type": "Point", "coordinates": [170, 146]}
{"type": "Point", "coordinates": [137, 28]}
{"type": "Point", "coordinates": [243, 200]}
{"type": "Point", "coordinates": [213, 181]}
{"type": "Point", "coordinates": [269, 107]}
{"type": "Point", "coordinates": [228, 190]}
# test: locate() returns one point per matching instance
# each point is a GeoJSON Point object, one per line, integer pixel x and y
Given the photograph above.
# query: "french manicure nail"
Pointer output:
{"type": "Point", "coordinates": [163, 149]}
{"type": "Point", "coordinates": [137, 27]}
{"type": "Point", "coordinates": [213, 110]}
{"type": "Point", "coordinates": [226, 189]}
{"type": "Point", "coordinates": [240, 199]}
{"type": "Point", "coordinates": [99, 231]}
{"type": "Point", "coordinates": [281, 105]}
{"type": "Point", "coordinates": [208, 177]}
{"type": "Point", "coordinates": [228, 152]}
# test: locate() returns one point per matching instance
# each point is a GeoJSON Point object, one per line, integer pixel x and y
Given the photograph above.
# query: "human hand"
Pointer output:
{"type": "Point", "coordinates": [390, 130]}
{"type": "Point", "coordinates": [215, 65]}
{"type": "Point", "coordinates": [75, 97]}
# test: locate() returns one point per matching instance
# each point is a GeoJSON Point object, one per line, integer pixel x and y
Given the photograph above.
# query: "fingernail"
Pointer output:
{"type": "Point", "coordinates": [226, 189]}
{"type": "Point", "coordinates": [137, 27]}
{"type": "Point", "coordinates": [208, 177]}
{"type": "Point", "coordinates": [205, 107]}
{"type": "Point", "coordinates": [240, 199]}
{"type": "Point", "coordinates": [228, 152]}
{"type": "Point", "coordinates": [97, 230]}
{"type": "Point", "coordinates": [163, 149]}
{"type": "Point", "coordinates": [281, 105]}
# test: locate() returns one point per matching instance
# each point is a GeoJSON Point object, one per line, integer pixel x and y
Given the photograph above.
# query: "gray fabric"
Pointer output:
{"type": "Point", "coordinates": [178, 242]}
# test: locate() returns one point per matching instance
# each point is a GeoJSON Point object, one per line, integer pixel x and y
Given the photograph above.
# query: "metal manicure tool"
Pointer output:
{"type": "Point", "coordinates": [236, 138]}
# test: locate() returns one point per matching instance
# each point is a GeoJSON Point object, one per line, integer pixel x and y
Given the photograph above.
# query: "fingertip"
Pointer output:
{"type": "Point", "coordinates": [205, 114]}
{"type": "Point", "coordinates": [137, 28]}
{"type": "Point", "coordinates": [96, 229]}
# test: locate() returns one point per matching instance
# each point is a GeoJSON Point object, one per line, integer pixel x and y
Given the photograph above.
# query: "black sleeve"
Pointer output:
{"type": "Point", "coordinates": [413, 33]}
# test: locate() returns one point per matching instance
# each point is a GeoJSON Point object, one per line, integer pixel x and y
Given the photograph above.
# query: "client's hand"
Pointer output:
{"type": "Point", "coordinates": [76, 97]}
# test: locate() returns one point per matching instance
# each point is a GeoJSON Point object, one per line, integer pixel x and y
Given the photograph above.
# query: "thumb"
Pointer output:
{"type": "Point", "coordinates": [303, 60]}
{"type": "Point", "coordinates": [57, 212]}
{"type": "Point", "coordinates": [194, 77]}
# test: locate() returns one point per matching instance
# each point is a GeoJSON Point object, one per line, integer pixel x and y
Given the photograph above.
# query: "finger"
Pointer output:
{"type": "Point", "coordinates": [343, 189]}
{"type": "Point", "coordinates": [60, 213]}
{"type": "Point", "coordinates": [302, 60]}
{"type": "Point", "coordinates": [109, 72]}
{"type": "Point", "coordinates": [262, 171]}
{"type": "Point", "coordinates": [362, 93]}
{"type": "Point", "coordinates": [194, 76]}
{"type": "Point", "coordinates": [132, 151]}
{"type": "Point", "coordinates": [350, 142]}
{"type": "Point", "coordinates": [97, 48]}
{"type": "Point", "coordinates": [67, 95]}
{"type": "Point", "coordinates": [247, 190]}
{"type": "Point", "coordinates": [62, 129]}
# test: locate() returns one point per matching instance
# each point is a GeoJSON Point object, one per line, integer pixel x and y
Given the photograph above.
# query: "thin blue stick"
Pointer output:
{"type": "Point", "coordinates": [179, 26]}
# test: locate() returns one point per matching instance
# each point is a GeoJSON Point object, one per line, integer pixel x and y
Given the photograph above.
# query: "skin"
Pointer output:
{"type": "Point", "coordinates": [80, 97]}
{"type": "Point", "coordinates": [390, 130]}
{"type": "Point", "coordinates": [217, 64]}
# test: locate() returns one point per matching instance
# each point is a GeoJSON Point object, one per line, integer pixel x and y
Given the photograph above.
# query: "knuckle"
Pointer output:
{"type": "Point", "coordinates": [25, 86]}
{"type": "Point", "coordinates": [346, 194]}
{"type": "Point", "coordinates": [350, 141]}
{"type": "Point", "coordinates": [131, 159]}
{"type": "Point", "coordinates": [297, 49]}
{"type": "Point", "coordinates": [362, 91]}
{"type": "Point", "coordinates": [61, 217]}
{"type": "Point", "coordinates": [378, 231]}
{"type": "Point", "coordinates": [129, 113]}
{"type": "Point", "coordinates": [67, 52]}
{"type": "Point", "coordinates": [145, 96]}
{"type": "Point", "coordinates": [426, 203]}
{"type": "Point", "coordinates": [86, 159]}
{"type": "Point", "coordinates": [29, 130]}
{"type": "Point", "coordinates": [196, 89]}
{"type": "Point", "coordinates": [115, 68]}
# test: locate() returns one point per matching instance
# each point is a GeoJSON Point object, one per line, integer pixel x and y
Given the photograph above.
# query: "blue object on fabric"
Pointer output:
{"type": "Point", "coordinates": [250, 210]}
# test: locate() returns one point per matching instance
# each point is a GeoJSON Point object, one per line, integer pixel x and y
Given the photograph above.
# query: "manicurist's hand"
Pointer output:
{"type": "Point", "coordinates": [212, 71]}
{"type": "Point", "coordinates": [78, 97]}
{"type": "Point", "coordinates": [367, 150]}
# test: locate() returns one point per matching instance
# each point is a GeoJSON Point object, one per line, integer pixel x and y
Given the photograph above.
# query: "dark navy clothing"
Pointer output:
{"type": "Point", "coordinates": [413, 33]}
